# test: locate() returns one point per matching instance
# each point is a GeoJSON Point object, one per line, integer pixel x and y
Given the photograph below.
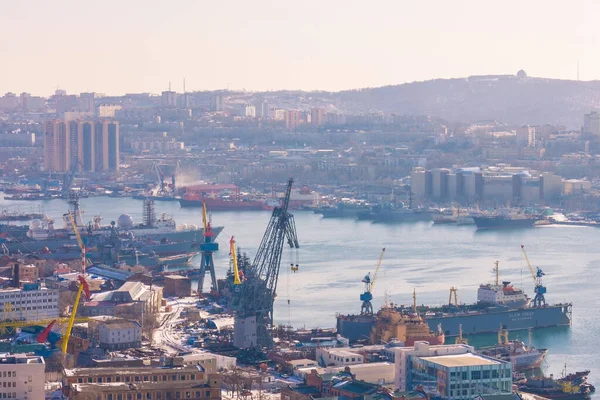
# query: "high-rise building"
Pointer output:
{"type": "Point", "coordinates": [92, 145]}
{"type": "Point", "coordinates": [57, 145]}
{"type": "Point", "coordinates": [217, 103]}
{"type": "Point", "coordinates": [526, 136]}
{"type": "Point", "coordinates": [169, 99]}
{"type": "Point", "coordinates": [247, 110]}
{"type": "Point", "coordinates": [591, 123]}
{"type": "Point", "coordinates": [262, 109]}
{"type": "Point", "coordinates": [86, 102]}
{"type": "Point", "coordinates": [318, 117]}
{"type": "Point", "coordinates": [21, 376]}
{"type": "Point", "coordinates": [291, 119]}
{"type": "Point", "coordinates": [86, 149]}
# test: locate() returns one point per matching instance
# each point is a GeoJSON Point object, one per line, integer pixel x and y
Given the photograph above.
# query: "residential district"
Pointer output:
{"type": "Point", "coordinates": [90, 311]}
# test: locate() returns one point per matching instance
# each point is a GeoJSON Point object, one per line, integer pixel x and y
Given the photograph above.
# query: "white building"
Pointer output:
{"type": "Point", "coordinates": [22, 377]}
{"type": "Point", "coordinates": [421, 349]}
{"type": "Point", "coordinates": [591, 123]}
{"type": "Point", "coordinates": [338, 357]}
{"type": "Point", "coordinates": [209, 361]}
{"type": "Point", "coordinates": [119, 334]}
{"type": "Point", "coordinates": [32, 304]}
{"type": "Point", "coordinates": [526, 136]}
{"type": "Point", "coordinates": [247, 110]}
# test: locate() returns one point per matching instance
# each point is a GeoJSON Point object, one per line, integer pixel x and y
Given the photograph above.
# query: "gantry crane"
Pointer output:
{"type": "Point", "coordinates": [453, 291]}
{"type": "Point", "coordinates": [207, 248]}
{"type": "Point", "coordinates": [540, 289]}
{"type": "Point", "coordinates": [83, 287]}
{"type": "Point", "coordinates": [254, 303]}
{"type": "Point", "coordinates": [367, 296]}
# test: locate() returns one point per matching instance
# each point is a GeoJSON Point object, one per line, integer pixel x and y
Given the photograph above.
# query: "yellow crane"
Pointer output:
{"type": "Point", "coordinates": [7, 326]}
{"type": "Point", "coordinates": [540, 289]}
{"type": "Point", "coordinates": [204, 217]}
{"type": "Point", "coordinates": [83, 286]}
{"type": "Point", "coordinates": [79, 242]}
{"type": "Point", "coordinates": [236, 271]}
{"type": "Point", "coordinates": [367, 296]}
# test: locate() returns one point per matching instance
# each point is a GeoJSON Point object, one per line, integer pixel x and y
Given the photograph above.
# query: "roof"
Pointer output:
{"type": "Point", "coordinates": [303, 389]}
{"type": "Point", "coordinates": [133, 387]}
{"type": "Point", "coordinates": [354, 386]}
{"type": "Point", "coordinates": [462, 360]}
{"type": "Point", "coordinates": [109, 272]}
{"type": "Point", "coordinates": [302, 361]}
{"type": "Point", "coordinates": [120, 324]}
{"type": "Point", "coordinates": [512, 396]}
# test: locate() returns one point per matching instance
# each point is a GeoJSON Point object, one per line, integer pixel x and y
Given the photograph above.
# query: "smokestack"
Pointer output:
{"type": "Point", "coordinates": [16, 276]}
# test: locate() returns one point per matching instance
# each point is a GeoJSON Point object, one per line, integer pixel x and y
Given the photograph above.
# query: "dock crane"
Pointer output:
{"type": "Point", "coordinates": [253, 321]}
{"type": "Point", "coordinates": [234, 260]}
{"type": "Point", "coordinates": [367, 296]}
{"type": "Point", "coordinates": [540, 289]}
{"type": "Point", "coordinates": [79, 242]}
{"type": "Point", "coordinates": [453, 291]}
{"type": "Point", "coordinates": [83, 287]}
{"type": "Point", "coordinates": [207, 248]}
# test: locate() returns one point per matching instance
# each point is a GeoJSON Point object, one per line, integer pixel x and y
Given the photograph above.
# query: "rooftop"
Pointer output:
{"type": "Point", "coordinates": [8, 358]}
{"type": "Point", "coordinates": [462, 360]}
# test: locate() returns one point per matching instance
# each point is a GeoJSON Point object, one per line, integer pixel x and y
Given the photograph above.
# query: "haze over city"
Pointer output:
{"type": "Point", "coordinates": [117, 47]}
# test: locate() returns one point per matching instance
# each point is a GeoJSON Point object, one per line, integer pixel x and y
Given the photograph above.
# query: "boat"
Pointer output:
{"type": "Point", "coordinates": [42, 234]}
{"type": "Point", "coordinates": [222, 204]}
{"type": "Point", "coordinates": [515, 351]}
{"type": "Point", "coordinates": [452, 216]}
{"type": "Point", "coordinates": [511, 219]}
{"type": "Point", "coordinates": [569, 387]}
{"type": "Point", "coordinates": [408, 328]}
{"type": "Point", "coordinates": [498, 304]}
{"type": "Point", "coordinates": [343, 209]}
{"type": "Point", "coordinates": [390, 214]}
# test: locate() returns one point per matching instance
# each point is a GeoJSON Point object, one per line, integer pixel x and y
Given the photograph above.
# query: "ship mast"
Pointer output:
{"type": "Point", "coordinates": [415, 300]}
{"type": "Point", "coordinates": [496, 270]}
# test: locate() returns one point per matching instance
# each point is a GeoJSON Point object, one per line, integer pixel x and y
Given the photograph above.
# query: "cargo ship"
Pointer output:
{"type": "Point", "coordinates": [505, 220]}
{"type": "Point", "coordinates": [498, 305]}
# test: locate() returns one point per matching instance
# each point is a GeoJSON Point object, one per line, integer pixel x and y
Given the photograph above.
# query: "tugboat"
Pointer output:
{"type": "Point", "coordinates": [571, 386]}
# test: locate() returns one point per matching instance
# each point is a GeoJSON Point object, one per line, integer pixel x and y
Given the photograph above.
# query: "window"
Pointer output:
{"type": "Point", "coordinates": [486, 374]}
{"type": "Point", "coordinates": [476, 375]}
{"type": "Point", "coordinates": [100, 380]}
{"type": "Point", "coordinates": [193, 377]}
{"type": "Point", "coordinates": [182, 377]}
{"type": "Point", "coordinates": [155, 378]}
{"type": "Point", "coordinates": [146, 378]}
{"type": "Point", "coordinates": [139, 396]}
{"type": "Point", "coordinates": [208, 393]}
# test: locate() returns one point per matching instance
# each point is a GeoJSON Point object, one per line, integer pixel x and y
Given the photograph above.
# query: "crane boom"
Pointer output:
{"type": "Point", "coordinates": [236, 271]}
{"type": "Point", "coordinates": [204, 216]}
{"type": "Point", "coordinates": [528, 263]}
{"type": "Point", "coordinates": [80, 242]}
{"type": "Point", "coordinates": [83, 286]}
{"type": "Point", "coordinates": [377, 269]}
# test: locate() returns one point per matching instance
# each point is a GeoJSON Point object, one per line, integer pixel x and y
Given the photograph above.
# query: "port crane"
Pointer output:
{"type": "Point", "coordinates": [540, 289]}
{"type": "Point", "coordinates": [162, 189]}
{"type": "Point", "coordinates": [207, 248]}
{"type": "Point", "coordinates": [253, 321]}
{"type": "Point", "coordinates": [453, 291]}
{"type": "Point", "coordinates": [83, 287]}
{"type": "Point", "coordinates": [367, 296]}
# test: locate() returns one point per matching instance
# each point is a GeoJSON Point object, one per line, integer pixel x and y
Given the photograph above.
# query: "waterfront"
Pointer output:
{"type": "Point", "coordinates": [336, 254]}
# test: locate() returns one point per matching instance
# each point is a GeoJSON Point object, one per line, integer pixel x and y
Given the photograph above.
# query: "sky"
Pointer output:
{"type": "Point", "coordinates": [128, 46]}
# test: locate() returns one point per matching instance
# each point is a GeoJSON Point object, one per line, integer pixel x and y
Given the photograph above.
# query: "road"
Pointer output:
{"type": "Point", "coordinates": [164, 336]}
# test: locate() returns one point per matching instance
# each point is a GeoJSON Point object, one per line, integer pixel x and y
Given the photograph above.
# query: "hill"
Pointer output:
{"type": "Point", "coordinates": [507, 98]}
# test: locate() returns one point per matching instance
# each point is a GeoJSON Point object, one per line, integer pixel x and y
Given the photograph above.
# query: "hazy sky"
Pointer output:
{"type": "Point", "coordinates": [119, 46]}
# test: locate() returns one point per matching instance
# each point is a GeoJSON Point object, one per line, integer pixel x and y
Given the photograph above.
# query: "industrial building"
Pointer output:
{"type": "Point", "coordinates": [450, 371]}
{"type": "Point", "coordinates": [500, 184]}
{"type": "Point", "coordinates": [22, 376]}
{"type": "Point", "coordinates": [132, 298]}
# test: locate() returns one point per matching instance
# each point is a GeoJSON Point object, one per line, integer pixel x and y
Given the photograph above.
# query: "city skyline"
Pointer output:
{"type": "Point", "coordinates": [266, 45]}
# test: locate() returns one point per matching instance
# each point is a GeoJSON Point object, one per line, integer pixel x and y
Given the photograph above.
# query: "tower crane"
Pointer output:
{"type": "Point", "coordinates": [162, 190]}
{"type": "Point", "coordinates": [207, 248]}
{"type": "Point", "coordinates": [253, 321]}
{"type": "Point", "coordinates": [367, 296]}
{"type": "Point", "coordinates": [540, 289]}
{"type": "Point", "coordinates": [83, 287]}
{"type": "Point", "coordinates": [79, 242]}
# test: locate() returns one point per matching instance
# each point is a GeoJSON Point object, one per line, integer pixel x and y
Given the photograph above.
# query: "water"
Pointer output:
{"type": "Point", "coordinates": [336, 254]}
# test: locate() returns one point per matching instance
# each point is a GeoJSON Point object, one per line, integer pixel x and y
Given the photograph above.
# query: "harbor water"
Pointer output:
{"type": "Point", "coordinates": [336, 254]}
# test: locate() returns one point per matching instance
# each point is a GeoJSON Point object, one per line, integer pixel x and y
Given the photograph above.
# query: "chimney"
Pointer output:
{"type": "Point", "coordinates": [16, 276]}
